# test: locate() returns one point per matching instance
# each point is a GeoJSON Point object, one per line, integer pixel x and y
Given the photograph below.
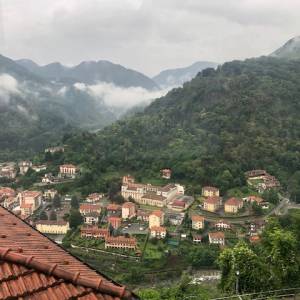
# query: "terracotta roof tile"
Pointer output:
{"type": "Point", "coordinates": [157, 213]}
{"type": "Point", "coordinates": [34, 267]}
{"type": "Point", "coordinates": [197, 218]}
{"type": "Point", "coordinates": [212, 200]}
{"type": "Point", "coordinates": [233, 202]}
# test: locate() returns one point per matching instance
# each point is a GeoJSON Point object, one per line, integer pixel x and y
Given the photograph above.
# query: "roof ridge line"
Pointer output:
{"type": "Point", "coordinates": [105, 277]}
{"type": "Point", "coordinates": [100, 285]}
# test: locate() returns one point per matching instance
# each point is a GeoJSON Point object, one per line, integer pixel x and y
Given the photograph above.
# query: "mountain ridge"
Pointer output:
{"type": "Point", "coordinates": [290, 50]}
{"type": "Point", "coordinates": [91, 72]}
{"type": "Point", "coordinates": [178, 76]}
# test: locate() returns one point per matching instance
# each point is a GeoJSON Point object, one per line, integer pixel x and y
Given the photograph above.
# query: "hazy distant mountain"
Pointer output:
{"type": "Point", "coordinates": [91, 72]}
{"type": "Point", "coordinates": [290, 50]}
{"type": "Point", "coordinates": [35, 112]}
{"type": "Point", "coordinates": [176, 77]}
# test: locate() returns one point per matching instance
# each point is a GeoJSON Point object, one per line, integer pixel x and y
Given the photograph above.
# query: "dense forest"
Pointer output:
{"type": "Point", "coordinates": [242, 116]}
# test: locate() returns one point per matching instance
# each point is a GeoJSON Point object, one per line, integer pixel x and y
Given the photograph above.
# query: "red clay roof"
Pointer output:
{"type": "Point", "coordinates": [89, 206]}
{"type": "Point", "coordinates": [70, 166]}
{"type": "Point", "coordinates": [178, 203]}
{"type": "Point", "coordinates": [212, 200]}
{"type": "Point", "coordinates": [121, 240]}
{"type": "Point", "coordinates": [157, 213]}
{"type": "Point", "coordinates": [158, 229]}
{"type": "Point", "coordinates": [233, 202]}
{"type": "Point", "coordinates": [255, 199]}
{"type": "Point", "coordinates": [128, 205]}
{"type": "Point", "coordinates": [34, 267]}
{"type": "Point", "coordinates": [31, 194]}
{"type": "Point", "coordinates": [113, 206]}
{"type": "Point", "coordinates": [217, 235]}
{"type": "Point", "coordinates": [197, 218]}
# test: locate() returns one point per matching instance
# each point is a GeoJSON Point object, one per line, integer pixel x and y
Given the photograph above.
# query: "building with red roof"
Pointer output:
{"type": "Point", "coordinates": [128, 210]}
{"type": "Point", "coordinates": [212, 204]}
{"type": "Point", "coordinates": [68, 170]}
{"type": "Point", "coordinates": [112, 207]}
{"type": "Point", "coordinates": [94, 197]}
{"type": "Point", "coordinates": [94, 232]}
{"type": "Point", "coordinates": [197, 238]}
{"type": "Point", "coordinates": [197, 222]}
{"type": "Point", "coordinates": [210, 191]}
{"type": "Point", "coordinates": [34, 267]}
{"type": "Point", "coordinates": [115, 222]}
{"type": "Point", "coordinates": [232, 205]}
{"type": "Point", "coordinates": [222, 225]}
{"type": "Point", "coordinates": [256, 199]}
{"type": "Point", "coordinates": [87, 208]}
{"type": "Point", "coordinates": [120, 242]}
{"type": "Point", "coordinates": [217, 238]}
{"type": "Point", "coordinates": [156, 218]}
{"type": "Point", "coordinates": [158, 232]}
{"type": "Point", "coordinates": [6, 192]}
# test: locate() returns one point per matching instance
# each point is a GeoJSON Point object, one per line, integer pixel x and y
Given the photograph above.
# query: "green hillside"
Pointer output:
{"type": "Point", "coordinates": [243, 115]}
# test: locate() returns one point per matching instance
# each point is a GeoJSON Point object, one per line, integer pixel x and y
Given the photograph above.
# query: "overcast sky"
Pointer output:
{"type": "Point", "coordinates": [146, 35]}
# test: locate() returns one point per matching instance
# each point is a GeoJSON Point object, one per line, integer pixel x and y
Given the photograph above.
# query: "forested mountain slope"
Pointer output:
{"type": "Point", "coordinates": [242, 116]}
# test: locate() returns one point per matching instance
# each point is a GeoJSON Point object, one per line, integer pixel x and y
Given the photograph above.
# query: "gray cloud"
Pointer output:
{"type": "Point", "coordinates": [148, 35]}
{"type": "Point", "coordinates": [118, 97]}
{"type": "Point", "coordinates": [8, 86]}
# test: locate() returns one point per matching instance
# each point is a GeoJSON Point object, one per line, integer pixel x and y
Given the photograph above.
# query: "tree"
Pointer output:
{"type": "Point", "coordinates": [294, 187]}
{"type": "Point", "coordinates": [280, 249]}
{"type": "Point", "coordinates": [118, 199]}
{"type": "Point", "coordinates": [271, 196]}
{"type": "Point", "coordinates": [43, 215]}
{"type": "Point", "coordinates": [74, 202]}
{"type": "Point", "coordinates": [254, 275]}
{"type": "Point", "coordinates": [53, 216]}
{"type": "Point", "coordinates": [257, 209]}
{"type": "Point", "coordinates": [57, 201]}
{"type": "Point", "coordinates": [75, 218]}
{"type": "Point", "coordinates": [113, 190]}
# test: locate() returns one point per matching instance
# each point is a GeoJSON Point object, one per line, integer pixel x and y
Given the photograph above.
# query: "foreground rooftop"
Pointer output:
{"type": "Point", "coordinates": [34, 267]}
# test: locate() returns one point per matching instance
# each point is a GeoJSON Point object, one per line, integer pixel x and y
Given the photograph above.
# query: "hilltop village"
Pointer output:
{"type": "Point", "coordinates": [142, 221]}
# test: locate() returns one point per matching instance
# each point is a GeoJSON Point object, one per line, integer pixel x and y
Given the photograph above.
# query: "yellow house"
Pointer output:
{"type": "Point", "coordinates": [232, 205]}
{"type": "Point", "coordinates": [210, 191]}
{"type": "Point", "coordinates": [197, 222]}
{"type": "Point", "coordinates": [156, 218]}
{"type": "Point", "coordinates": [212, 203]}
{"type": "Point", "coordinates": [52, 227]}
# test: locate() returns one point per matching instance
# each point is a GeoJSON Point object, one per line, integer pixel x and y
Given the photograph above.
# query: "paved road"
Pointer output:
{"type": "Point", "coordinates": [135, 229]}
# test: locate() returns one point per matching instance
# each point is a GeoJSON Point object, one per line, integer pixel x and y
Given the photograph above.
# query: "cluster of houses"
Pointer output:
{"type": "Point", "coordinates": [262, 180]}
{"type": "Point", "coordinates": [115, 214]}
{"type": "Point", "coordinates": [212, 201]}
{"type": "Point", "coordinates": [170, 195]}
{"type": "Point", "coordinates": [24, 203]}
{"type": "Point", "coordinates": [170, 204]}
{"type": "Point", "coordinates": [66, 172]}
{"type": "Point", "coordinates": [25, 165]}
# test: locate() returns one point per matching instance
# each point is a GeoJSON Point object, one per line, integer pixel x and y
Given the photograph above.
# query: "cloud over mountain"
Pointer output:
{"type": "Point", "coordinates": [115, 96]}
